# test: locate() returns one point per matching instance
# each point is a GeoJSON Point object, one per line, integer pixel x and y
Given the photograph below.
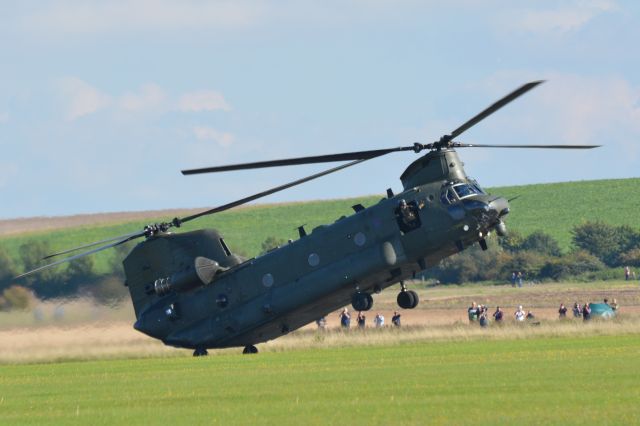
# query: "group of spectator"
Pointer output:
{"type": "Point", "coordinates": [584, 311]}
{"type": "Point", "coordinates": [345, 320]}
{"type": "Point", "coordinates": [479, 313]}
{"type": "Point", "coordinates": [516, 279]}
{"type": "Point", "coordinates": [476, 313]}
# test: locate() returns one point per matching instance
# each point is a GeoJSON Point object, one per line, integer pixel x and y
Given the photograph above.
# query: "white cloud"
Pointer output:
{"type": "Point", "coordinates": [150, 97]}
{"type": "Point", "coordinates": [205, 133]}
{"type": "Point", "coordinates": [204, 100]}
{"type": "Point", "coordinates": [82, 17]}
{"type": "Point", "coordinates": [559, 20]}
{"type": "Point", "coordinates": [82, 98]}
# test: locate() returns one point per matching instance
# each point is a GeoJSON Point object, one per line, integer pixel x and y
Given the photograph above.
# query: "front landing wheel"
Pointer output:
{"type": "Point", "coordinates": [250, 350]}
{"type": "Point", "coordinates": [200, 352]}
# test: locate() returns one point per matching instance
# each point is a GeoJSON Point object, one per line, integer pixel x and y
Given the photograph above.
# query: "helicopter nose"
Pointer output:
{"type": "Point", "coordinates": [499, 206]}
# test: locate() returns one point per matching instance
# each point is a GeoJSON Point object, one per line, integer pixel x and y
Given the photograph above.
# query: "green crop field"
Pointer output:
{"type": "Point", "coordinates": [553, 208]}
{"type": "Point", "coordinates": [540, 380]}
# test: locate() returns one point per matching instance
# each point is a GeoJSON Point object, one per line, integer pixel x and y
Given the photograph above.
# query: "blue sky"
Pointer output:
{"type": "Point", "coordinates": [103, 103]}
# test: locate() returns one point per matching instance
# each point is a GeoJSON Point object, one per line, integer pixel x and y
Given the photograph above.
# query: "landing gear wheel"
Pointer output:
{"type": "Point", "coordinates": [250, 350]}
{"type": "Point", "coordinates": [361, 301]}
{"type": "Point", "coordinates": [416, 299]}
{"type": "Point", "coordinates": [408, 299]}
{"type": "Point", "coordinates": [200, 352]}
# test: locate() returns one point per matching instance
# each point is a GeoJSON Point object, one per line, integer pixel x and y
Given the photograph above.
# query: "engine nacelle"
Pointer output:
{"type": "Point", "coordinates": [202, 273]}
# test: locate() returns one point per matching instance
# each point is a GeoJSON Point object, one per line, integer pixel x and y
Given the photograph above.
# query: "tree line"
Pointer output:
{"type": "Point", "coordinates": [598, 251]}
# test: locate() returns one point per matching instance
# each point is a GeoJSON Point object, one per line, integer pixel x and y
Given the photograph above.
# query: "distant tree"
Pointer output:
{"type": "Point", "coordinates": [528, 262]}
{"type": "Point", "coordinates": [270, 243]}
{"type": "Point", "coordinates": [512, 241]}
{"type": "Point", "coordinates": [631, 258]}
{"type": "Point", "coordinates": [48, 283]}
{"type": "Point", "coordinates": [119, 253]}
{"type": "Point", "coordinates": [571, 265]}
{"type": "Point", "coordinates": [473, 264]}
{"type": "Point", "coordinates": [7, 269]}
{"type": "Point", "coordinates": [608, 243]}
{"type": "Point", "coordinates": [16, 297]}
{"type": "Point", "coordinates": [109, 290]}
{"type": "Point", "coordinates": [80, 271]}
{"type": "Point", "coordinates": [541, 242]}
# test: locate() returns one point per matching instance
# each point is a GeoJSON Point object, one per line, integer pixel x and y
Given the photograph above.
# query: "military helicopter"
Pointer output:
{"type": "Point", "coordinates": [190, 291]}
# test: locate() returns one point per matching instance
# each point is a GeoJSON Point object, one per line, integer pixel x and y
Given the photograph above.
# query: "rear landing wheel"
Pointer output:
{"type": "Point", "coordinates": [408, 299]}
{"type": "Point", "coordinates": [250, 350]}
{"type": "Point", "coordinates": [200, 352]}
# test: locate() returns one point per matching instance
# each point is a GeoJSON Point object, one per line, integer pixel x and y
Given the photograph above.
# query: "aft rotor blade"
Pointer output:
{"type": "Point", "coordinates": [272, 190]}
{"type": "Point", "coordinates": [78, 256]}
{"type": "Point", "coordinates": [120, 237]}
{"type": "Point", "coordinates": [494, 107]}
{"type": "Point", "coordinates": [345, 156]}
{"type": "Point", "coordinates": [473, 145]}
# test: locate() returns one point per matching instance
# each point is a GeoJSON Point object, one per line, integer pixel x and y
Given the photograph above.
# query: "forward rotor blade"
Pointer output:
{"type": "Point", "coordinates": [120, 237]}
{"type": "Point", "coordinates": [78, 256]}
{"type": "Point", "coordinates": [273, 190]}
{"type": "Point", "coordinates": [473, 145]}
{"type": "Point", "coordinates": [494, 107]}
{"type": "Point", "coordinates": [345, 156]}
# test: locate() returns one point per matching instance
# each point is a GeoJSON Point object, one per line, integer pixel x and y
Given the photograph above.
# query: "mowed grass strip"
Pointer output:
{"type": "Point", "coordinates": [588, 380]}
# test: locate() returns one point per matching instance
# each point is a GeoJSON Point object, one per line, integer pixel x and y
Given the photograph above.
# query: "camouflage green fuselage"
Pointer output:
{"type": "Point", "coordinates": [252, 301]}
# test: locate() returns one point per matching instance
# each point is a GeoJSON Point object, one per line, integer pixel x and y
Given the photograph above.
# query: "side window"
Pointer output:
{"type": "Point", "coordinates": [407, 217]}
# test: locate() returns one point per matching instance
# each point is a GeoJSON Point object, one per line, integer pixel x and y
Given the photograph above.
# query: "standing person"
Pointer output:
{"type": "Point", "coordinates": [586, 312]}
{"type": "Point", "coordinates": [378, 321]}
{"type": "Point", "coordinates": [322, 323]}
{"type": "Point", "coordinates": [497, 315]}
{"type": "Point", "coordinates": [627, 273]}
{"type": "Point", "coordinates": [577, 310]}
{"type": "Point", "coordinates": [519, 279]}
{"type": "Point", "coordinates": [519, 314]}
{"type": "Point", "coordinates": [484, 322]}
{"type": "Point", "coordinates": [473, 312]}
{"type": "Point", "coordinates": [345, 319]}
{"type": "Point", "coordinates": [395, 320]}
{"type": "Point", "coordinates": [513, 279]}
{"type": "Point", "coordinates": [562, 312]}
{"type": "Point", "coordinates": [361, 320]}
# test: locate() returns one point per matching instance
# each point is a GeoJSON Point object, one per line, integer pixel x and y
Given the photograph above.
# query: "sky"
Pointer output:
{"type": "Point", "coordinates": [102, 103]}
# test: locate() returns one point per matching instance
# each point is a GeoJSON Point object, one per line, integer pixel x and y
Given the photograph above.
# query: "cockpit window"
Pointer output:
{"type": "Point", "coordinates": [465, 190]}
{"type": "Point", "coordinates": [477, 186]}
{"type": "Point", "coordinates": [459, 191]}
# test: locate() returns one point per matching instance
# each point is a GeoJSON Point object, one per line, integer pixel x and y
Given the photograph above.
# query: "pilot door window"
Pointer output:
{"type": "Point", "coordinates": [407, 216]}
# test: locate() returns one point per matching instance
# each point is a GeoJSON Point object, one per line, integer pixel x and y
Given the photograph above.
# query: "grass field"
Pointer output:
{"type": "Point", "coordinates": [541, 380]}
{"type": "Point", "coordinates": [553, 208]}
{"type": "Point", "coordinates": [91, 367]}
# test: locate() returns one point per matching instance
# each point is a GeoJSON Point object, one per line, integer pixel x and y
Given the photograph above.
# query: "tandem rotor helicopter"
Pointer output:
{"type": "Point", "coordinates": [190, 291]}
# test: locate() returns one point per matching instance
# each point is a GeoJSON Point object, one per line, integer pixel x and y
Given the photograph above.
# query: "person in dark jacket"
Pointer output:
{"type": "Point", "coordinates": [586, 312]}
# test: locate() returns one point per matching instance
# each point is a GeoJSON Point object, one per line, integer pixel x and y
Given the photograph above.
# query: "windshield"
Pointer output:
{"type": "Point", "coordinates": [476, 185]}
{"type": "Point", "coordinates": [465, 190]}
